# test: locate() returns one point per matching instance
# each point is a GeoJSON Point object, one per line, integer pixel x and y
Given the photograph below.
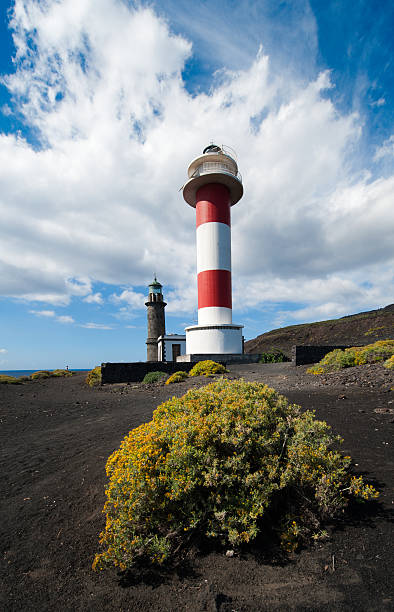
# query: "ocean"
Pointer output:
{"type": "Point", "coordinates": [18, 373]}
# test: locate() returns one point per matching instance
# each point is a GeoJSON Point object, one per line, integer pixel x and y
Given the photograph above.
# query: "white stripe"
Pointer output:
{"type": "Point", "coordinates": [213, 247]}
{"type": "Point", "coordinates": [216, 341]}
{"type": "Point", "coordinates": [214, 315]}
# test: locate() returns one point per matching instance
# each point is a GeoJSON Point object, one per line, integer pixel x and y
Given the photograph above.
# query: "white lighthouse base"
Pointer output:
{"type": "Point", "coordinates": [214, 339]}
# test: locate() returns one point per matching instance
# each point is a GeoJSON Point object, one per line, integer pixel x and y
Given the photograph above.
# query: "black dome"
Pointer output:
{"type": "Point", "coordinates": [212, 148]}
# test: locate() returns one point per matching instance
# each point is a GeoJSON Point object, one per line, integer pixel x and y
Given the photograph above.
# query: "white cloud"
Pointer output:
{"type": "Point", "coordinates": [99, 200]}
{"type": "Point", "coordinates": [43, 313]}
{"type": "Point", "coordinates": [65, 319]}
{"type": "Point", "coordinates": [325, 298]}
{"type": "Point", "coordinates": [379, 102]}
{"type": "Point", "coordinates": [94, 298]}
{"type": "Point", "coordinates": [5, 110]}
{"type": "Point", "coordinates": [132, 298]}
{"type": "Point", "coordinates": [96, 326]}
{"type": "Point", "coordinates": [386, 150]}
{"type": "Point", "coordinates": [3, 350]}
{"type": "Point", "coordinates": [52, 315]}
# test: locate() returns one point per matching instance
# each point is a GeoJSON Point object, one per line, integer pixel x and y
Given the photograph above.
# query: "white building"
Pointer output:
{"type": "Point", "coordinates": [170, 347]}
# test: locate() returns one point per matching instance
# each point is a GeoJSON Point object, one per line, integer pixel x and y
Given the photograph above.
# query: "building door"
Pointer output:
{"type": "Point", "coordinates": [176, 351]}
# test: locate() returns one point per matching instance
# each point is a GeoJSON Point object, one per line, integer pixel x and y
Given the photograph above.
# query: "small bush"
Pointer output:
{"type": "Point", "coordinates": [9, 380]}
{"type": "Point", "coordinates": [49, 374]}
{"type": "Point", "coordinates": [389, 364]}
{"type": "Point", "coordinates": [62, 373]}
{"type": "Point", "coordinates": [207, 368]}
{"type": "Point", "coordinates": [40, 374]}
{"type": "Point", "coordinates": [373, 330]}
{"type": "Point", "coordinates": [274, 357]}
{"type": "Point", "coordinates": [93, 378]}
{"type": "Point", "coordinates": [221, 462]}
{"type": "Point", "coordinates": [153, 377]}
{"type": "Point", "coordinates": [177, 377]}
{"type": "Point", "coordinates": [356, 355]}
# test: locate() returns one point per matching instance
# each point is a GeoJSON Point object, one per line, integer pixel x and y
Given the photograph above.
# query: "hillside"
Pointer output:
{"type": "Point", "coordinates": [358, 329]}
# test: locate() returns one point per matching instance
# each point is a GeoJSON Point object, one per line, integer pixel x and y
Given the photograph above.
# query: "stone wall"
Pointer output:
{"type": "Point", "coordinates": [306, 354]}
{"type": "Point", "coordinates": [135, 372]}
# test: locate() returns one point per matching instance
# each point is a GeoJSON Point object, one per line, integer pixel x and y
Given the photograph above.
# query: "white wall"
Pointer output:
{"type": "Point", "coordinates": [168, 348]}
{"type": "Point", "coordinates": [219, 340]}
{"type": "Point", "coordinates": [214, 315]}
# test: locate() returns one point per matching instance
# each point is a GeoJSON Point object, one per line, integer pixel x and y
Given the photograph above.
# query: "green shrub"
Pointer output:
{"type": "Point", "coordinates": [9, 380]}
{"type": "Point", "coordinates": [274, 357]}
{"type": "Point", "coordinates": [221, 462]}
{"type": "Point", "coordinates": [153, 377]}
{"type": "Point", "coordinates": [94, 377]}
{"type": "Point", "coordinates": [40, 374]}
{"type": "Point", "coordinates": [389, 364]}
{"type": "Point", "coordinates": [177, 377]}
{"type": "Point", "coordinates": [356, 355]}
{"type": "Point", "coordinates": [207, 368]}
{"type": "Point", "coordinates": [62, 373]}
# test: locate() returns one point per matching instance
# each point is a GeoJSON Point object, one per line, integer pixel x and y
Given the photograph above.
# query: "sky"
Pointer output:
{"type": "Point", "coordinates": [104, 103]}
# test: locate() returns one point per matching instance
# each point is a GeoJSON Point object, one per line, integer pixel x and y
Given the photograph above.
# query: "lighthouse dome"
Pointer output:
{"type": "Point", "coordinates": [212, 148]}
{"type": "Point", "coordinates": [155, 286]}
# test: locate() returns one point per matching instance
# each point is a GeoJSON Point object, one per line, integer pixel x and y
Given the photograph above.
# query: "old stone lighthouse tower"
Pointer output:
{"type": "Point", "coordinates": [156, 319]}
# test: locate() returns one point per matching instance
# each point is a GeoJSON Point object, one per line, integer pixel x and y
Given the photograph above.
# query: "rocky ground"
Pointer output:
{"type": "Point", "coordinates": [56, 437]}
{"type": "Point", "coordinates": [285, 377]}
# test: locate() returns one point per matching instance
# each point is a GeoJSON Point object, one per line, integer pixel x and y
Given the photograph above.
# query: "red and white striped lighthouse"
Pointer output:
{"type": "Point", "coordinates": [214, 186]}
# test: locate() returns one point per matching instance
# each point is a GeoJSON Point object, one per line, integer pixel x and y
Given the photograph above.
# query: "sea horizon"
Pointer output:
{"type": "Point", "coordinates": [18, 373]}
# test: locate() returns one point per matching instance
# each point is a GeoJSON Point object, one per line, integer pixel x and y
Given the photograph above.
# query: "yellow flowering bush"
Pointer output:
{"type": "Point", "coordinates": [207, 368]}
{"type": "Point", "coordinates": [220, 462]}
{"type": "Point", "coordinates": [372, 353]}
{"type": "Point", "coordinates": [94, 377]}
{"type": "Point", "coordinates": [356, 355]}
{"type": "Point", "coordinates": [177, 377]}
{"type": "Point", "coordinates": [65, 373]}
{"type": "Point", "coordinates": [48, 374]}
{"type": "Point", "coordinates": [389, 364]}
{"type": "Point", "coordinates": [9, 380]}
{"type": "Point", "coordinates": [35, 376]}
{"type": "Point", "coordinates": [40, 374]}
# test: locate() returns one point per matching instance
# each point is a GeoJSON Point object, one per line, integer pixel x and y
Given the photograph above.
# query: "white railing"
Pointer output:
{"type": "Point", "coordinates": [210, 167]}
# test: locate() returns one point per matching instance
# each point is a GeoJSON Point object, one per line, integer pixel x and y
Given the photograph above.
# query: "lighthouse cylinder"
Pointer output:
{"type": "Point", "coordinates": [213, 254]}
{"type": "Point", "coordinates": [214, 186]}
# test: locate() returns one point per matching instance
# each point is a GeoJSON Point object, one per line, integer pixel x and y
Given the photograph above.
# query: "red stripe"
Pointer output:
{"type": "Point", "coordinates": [213, 204]}
{"type": "Point", "coordinates": [214, 288]}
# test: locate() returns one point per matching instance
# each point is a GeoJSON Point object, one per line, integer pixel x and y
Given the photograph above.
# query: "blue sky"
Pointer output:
{"type": "Point", "coordinates": [102, 106]}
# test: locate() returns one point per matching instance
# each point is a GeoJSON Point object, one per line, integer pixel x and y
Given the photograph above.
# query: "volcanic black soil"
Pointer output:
{"type": "Point", "coordinates": [56, 437]}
